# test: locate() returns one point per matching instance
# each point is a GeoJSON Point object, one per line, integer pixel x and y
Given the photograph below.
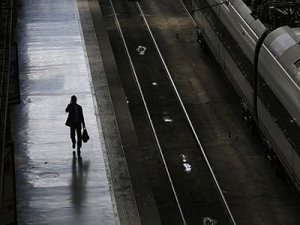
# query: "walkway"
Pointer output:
{"type": "Point", "coordinates": [52, 186]}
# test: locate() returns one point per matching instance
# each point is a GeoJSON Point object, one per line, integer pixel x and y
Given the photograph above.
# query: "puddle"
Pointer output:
{"type": "Point", "coordinates": [167, 119]}
{"type": "Point", "coordinates": [48, 175]}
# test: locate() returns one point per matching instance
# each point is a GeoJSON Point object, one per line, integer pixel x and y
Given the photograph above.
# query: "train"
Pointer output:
{"type": "Point", "coordinates": [263, 66]}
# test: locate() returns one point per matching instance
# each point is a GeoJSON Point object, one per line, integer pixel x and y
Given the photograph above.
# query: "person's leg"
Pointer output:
{"type": "Point", "coordinates": [72, 134]}
{"type": "Point", "coordinates": [79, 139]}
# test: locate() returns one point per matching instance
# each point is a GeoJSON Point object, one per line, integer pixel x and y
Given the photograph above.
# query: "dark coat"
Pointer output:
{"type": "Point", "coordinates": [75, 117]}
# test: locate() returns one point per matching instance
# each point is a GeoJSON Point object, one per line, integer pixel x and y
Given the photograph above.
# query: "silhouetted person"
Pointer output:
{"type": "Point", "coordinates": [74, 121]}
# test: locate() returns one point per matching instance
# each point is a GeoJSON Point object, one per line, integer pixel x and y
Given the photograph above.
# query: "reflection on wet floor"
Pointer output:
{"type": "Point", "coordinates": [186, 165]}
{"type": "Point", "coordinates": [80, 170]}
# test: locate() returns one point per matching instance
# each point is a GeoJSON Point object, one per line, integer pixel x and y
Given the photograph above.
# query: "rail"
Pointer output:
{"type": "Point", "coordinates": [147, 111]}
{"type": "Point", "coordinates": [188, 118]}
{"type": "Point", "coordinates": [184, 221]}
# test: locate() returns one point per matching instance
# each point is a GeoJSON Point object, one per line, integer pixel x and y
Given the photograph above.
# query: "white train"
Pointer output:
{"type": "Point", "coordinates": [264, 68]}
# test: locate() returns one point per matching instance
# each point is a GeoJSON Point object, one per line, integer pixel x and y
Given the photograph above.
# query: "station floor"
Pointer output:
{"type": "Point", "coordinates": [53, 186]}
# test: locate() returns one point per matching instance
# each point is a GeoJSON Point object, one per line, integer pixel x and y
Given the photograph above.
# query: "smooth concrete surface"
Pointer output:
{"type": "Point", "coordinates": [53, 187]}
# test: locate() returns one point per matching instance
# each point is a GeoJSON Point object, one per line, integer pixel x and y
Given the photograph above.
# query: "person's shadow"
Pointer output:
{"type": "Point", "coordinates": [79, 181]}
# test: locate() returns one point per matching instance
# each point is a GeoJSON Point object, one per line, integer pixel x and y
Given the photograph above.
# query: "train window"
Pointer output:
{"type": "Point", "coordinates": [279, 114]}
{"type": "Point", "coordinates": [297, 63]}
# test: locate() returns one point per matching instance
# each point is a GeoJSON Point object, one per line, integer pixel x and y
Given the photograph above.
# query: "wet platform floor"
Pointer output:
{"type": "Point", "coordinates": [53, 187]}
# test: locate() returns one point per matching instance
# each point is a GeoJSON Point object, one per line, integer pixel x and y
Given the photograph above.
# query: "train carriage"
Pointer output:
{"type": "Point", "coordinates": [279, 95]}
{"type": "Point", "coordinates": [264, 68]}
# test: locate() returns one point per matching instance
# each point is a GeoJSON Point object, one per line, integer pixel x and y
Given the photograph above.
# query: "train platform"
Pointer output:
{"type": "Point", "coordinates": [60, 56]}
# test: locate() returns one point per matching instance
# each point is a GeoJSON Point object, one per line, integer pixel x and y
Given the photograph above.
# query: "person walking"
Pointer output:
{"type": "Point", "coordinates": [74, 121]}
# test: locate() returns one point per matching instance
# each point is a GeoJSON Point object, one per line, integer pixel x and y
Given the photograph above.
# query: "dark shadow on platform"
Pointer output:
{"type": "Point", "coordinates": [80, 171]}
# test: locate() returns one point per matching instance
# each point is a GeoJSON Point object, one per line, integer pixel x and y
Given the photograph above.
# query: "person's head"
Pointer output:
{"type": "Point", "coordinates": [73, 99]}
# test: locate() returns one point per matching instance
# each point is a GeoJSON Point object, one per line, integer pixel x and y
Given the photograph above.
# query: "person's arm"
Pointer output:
{"type": "Point", "coordinates": [82, 118]}
{"type": "Point", "coordinates": [83, 123]}
{"type": "Point", "coordinates": [68, 108]}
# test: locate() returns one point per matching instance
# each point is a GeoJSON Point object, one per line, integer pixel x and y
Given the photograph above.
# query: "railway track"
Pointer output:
{"type": "Point", "coordinates": [189, 190]}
